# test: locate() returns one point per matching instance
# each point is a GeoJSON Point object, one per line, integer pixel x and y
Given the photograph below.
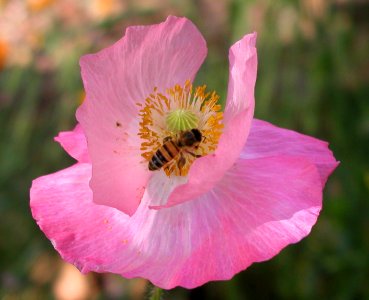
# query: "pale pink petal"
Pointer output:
{"type": "Point", "coordinates": [61, 203]}
{"type": "Point", "coordinates": [74, 143]}
{"type": "Point", "coordinates": [115, 80]}
{"type": "Point", "coordinates": [160, 186]}
{"type": "Point", "coordinates": [259, 207]}
{"type": "Point", "coordinates": [237, 119]}
{"type": "Point", "coordinates": [267, 140]}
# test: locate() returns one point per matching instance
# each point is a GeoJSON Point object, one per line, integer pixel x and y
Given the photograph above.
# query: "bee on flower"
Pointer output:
{"type": "Point", "coordinates": [167, 185]}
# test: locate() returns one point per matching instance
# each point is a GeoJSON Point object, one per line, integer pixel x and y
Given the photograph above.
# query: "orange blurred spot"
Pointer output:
{"type": "Point", "coordinates": [104, 7]}
{"type": "Point", "coordinates": [4, 50]}
{"type": "Point", "coordinates": [72, 285]}
{"type": "Point", "coordinates": [37, 5]}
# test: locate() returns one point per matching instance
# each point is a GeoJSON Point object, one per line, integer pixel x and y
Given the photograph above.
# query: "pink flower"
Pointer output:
{"type": "Point", "coordinates": [255, 189]}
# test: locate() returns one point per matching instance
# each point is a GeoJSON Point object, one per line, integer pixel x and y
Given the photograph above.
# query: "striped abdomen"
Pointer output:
{"type": "Point", "coordinates": [163, 155]}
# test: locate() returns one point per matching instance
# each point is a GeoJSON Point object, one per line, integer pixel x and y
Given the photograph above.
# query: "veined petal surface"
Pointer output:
{"type": "Point", "coordinates": [115, 80]}
{"type": "Point", "coordinates": [267, 140]}
{"type": "Point", "coordinates": [259, 207]}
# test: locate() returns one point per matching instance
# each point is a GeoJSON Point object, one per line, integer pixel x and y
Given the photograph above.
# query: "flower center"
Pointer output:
{"type": "Point", "coordinates": [181, 120]}
{"type": "Point", "coordinates": [179, 126]}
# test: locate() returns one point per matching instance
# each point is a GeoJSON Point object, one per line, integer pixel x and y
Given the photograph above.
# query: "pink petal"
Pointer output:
{"type": "Point", "coordinates": [61, 203]}
{"type": "Point", "coordinates": [237, 118]}
{"type": "Point", "coordinates": [259, 207]}
{"type": "Point", "coordinates": [74, 143]}
{"type": "Point", "coordinates": [160, 186]}
{"type": "Point", "coordinates": [115, 80]}
{"type": "Point", "coordinates": [267, 140]}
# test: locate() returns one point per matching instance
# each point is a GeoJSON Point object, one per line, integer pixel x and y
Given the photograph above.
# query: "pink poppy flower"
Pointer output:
{"type": "Point", "coordinates": [241, 191]}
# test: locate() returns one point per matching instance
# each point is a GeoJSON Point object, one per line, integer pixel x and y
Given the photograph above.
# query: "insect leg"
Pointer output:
{"type": "Point", "coordinates": [181, 162]}
{"type": "Point", "coordinates": [193, 154]}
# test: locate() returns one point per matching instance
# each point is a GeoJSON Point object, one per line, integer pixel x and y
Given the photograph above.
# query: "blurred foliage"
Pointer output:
{"type": "Point", "coordinates": [313, 77]}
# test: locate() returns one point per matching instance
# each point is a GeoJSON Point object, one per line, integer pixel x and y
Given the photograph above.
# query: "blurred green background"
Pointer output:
{"type": "Point", "coordinates": [313, 77]}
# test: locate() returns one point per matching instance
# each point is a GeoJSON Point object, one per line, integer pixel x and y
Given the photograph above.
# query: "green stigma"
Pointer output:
{"type": "Point", "coordinates": [181, 119]}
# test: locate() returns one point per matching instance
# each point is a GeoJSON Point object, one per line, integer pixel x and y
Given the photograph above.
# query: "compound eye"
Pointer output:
{"type": "Point", "coordinates": [188, 135]}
